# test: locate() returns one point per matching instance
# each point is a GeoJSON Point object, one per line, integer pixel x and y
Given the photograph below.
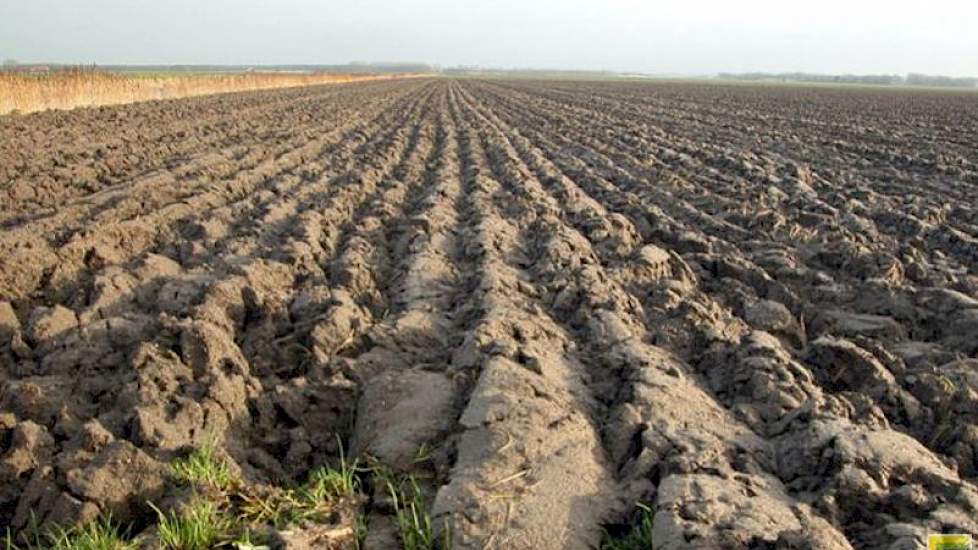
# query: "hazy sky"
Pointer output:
{"type": "Point", "coordinates": [685, 36]}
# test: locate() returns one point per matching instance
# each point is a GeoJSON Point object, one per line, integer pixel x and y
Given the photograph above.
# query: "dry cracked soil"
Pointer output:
{"type": "Point", "coordinates": [754, 309]}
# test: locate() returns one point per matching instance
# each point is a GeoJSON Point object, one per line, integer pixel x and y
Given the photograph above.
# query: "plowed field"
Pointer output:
{"type": "Point", "coordinates": [754, 309]}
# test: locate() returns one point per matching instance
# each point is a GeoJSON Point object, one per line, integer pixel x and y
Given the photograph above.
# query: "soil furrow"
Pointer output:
{"type": "Point", "coordinates": [893, 386]}
{"type": "Point", "coordinates": [87, 166]}
{"type": "Point", "coordinates": [612, 329]}
{"type": "Point", "coordinates": [811, 523]}
{"type": "Point", "coordinates": [56, 267]}
{"type": "Point", "coordinates": [526, 398]}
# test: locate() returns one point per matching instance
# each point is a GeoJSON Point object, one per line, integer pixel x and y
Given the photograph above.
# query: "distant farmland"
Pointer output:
{"type": "Point", "coordinates": [535, 314]}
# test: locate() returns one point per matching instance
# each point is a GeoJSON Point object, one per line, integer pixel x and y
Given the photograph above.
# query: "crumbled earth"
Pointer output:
{"type": "Point", "coordinates": [754, 309]}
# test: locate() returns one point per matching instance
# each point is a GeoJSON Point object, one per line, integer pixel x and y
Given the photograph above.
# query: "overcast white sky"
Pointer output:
{"type": "Point", "coordinates": [686, 36]}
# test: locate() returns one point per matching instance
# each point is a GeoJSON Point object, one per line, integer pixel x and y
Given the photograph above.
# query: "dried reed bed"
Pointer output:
{"type": "Point", "coordinates": [69, 88]}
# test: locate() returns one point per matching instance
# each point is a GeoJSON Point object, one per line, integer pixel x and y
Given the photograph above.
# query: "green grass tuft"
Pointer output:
{"type": "Point", "coordinates": [101, 534]}
{"type": "Point", "coordinates": [638, 538]}
{"type": "Point", "coordinates": [97, 535]}
{"type": "Point", "coordinates": [332, 483]}
{"type": "Point", "coordinates": [222, 511]}
{"type": "Point", "coordinates": [199, 525]}
{"type": "Point", "coordinates": [314, 500]}
{"type": "Point", "coordinates": [204, 468]}
{"type": "Point", "coordinates": [414, 523]}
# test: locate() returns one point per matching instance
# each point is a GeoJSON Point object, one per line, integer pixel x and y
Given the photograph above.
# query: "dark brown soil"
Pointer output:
{"type": "Point", "coordinates": [754, 308]}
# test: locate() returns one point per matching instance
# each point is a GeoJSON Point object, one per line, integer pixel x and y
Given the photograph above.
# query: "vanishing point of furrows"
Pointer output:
{"type": "Point", "coordinates": [752, 308]}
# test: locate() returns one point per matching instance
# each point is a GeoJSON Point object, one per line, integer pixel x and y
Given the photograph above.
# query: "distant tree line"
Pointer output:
{"type": "Point", "coordinates": [916, 79]}
{"type": "Point", "coordinates": [912, 79]}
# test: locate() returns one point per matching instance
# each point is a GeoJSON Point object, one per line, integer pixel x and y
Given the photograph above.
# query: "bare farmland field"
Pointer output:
{"type": "Point", "coordinates": [753, 309]}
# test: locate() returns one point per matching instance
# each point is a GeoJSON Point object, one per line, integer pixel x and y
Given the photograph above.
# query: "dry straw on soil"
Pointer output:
{"type": "Point", "coordinates": [66, 89]}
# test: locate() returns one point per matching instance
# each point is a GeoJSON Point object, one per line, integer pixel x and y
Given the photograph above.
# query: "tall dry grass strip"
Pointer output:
{"type": "Point", "coordinates": [66, 89]}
